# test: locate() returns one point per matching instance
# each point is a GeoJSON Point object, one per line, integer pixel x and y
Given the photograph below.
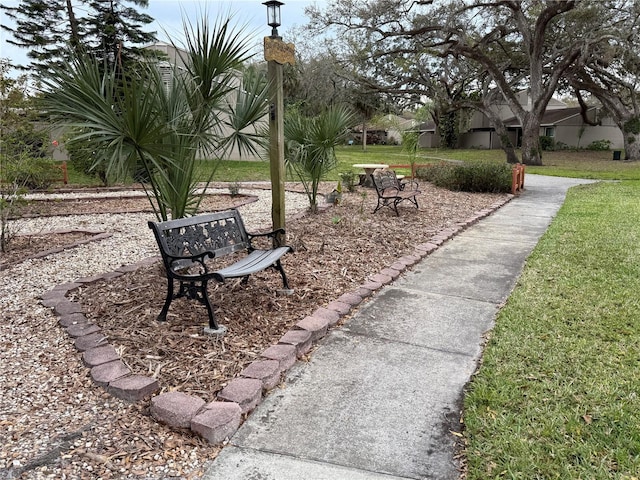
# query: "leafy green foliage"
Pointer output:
{"type": "Point", "coordinates": [348, 179]}
{"type": "Point", "coordinates": [310, 144]}
{"type": "Point", "coordinates": [547, 143]}
{"type": "Point", "coordinates": [83, 158]}
{"type": "Point", "coordinates": [157, 131]}
{"type": "Point", "coordinates": [410, 144]}
{"type": "Point", "coordinates": [477, 177]}
{"type": "Point", "coordinates": [599, 145]}
{"type": "Point", "coordinates": [28, 172]}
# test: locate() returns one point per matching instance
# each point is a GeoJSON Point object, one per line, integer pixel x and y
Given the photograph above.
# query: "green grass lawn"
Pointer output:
{"type": "Point", "coordinates": [583, 164]}
{"type": "Point", "coordinates": [558, 393]}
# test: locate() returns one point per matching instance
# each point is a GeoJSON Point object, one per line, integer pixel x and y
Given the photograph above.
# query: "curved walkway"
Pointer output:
{"type": "Point", "coordinates": [381, 396]}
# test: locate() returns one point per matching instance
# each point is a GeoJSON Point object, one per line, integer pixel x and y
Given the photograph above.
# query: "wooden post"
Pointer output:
{"type": "Point", "coordinates": [277, 53]}
{"type": "Point", "coordinates": [276, 144]}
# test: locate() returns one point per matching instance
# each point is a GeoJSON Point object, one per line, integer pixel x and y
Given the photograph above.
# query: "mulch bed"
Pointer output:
{"type": "Point", "coordinates": [335, 252]}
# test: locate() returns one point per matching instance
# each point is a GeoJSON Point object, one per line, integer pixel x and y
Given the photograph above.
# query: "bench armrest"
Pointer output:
{"type": "Point", "coordinates": [413, 184]}
{"type": "Point", "coordinates": [274, 235]}
{"type": "Point", "coordinates": [199, 258]}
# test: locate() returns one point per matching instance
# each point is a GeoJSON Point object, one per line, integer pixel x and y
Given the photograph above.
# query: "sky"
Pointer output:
{"type": "Point", "coordinates": [168, 15]}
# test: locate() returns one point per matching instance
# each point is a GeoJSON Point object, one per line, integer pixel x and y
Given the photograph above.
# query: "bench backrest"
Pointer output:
{"type": "Point", "coordinates": [383, 179]}
{"type": "Point", "coordinates": [221, 233]}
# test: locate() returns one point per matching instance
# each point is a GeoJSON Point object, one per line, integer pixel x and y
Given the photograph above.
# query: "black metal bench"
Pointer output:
{"type": "Point", "coordinates": [188, 246]}
{"type": "Point", "coordinates": [391, 191]}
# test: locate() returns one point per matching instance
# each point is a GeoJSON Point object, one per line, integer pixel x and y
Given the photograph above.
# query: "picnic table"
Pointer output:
{"type": "Point", "coordinates": [369, 168]}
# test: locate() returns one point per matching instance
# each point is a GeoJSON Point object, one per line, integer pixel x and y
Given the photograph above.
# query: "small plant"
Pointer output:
{"type": "Point", "coordinates": [234, 189]}
{"type": "Point", "coordinates": [12, 198]}
{"type": "Point", "coordinates": [349, 181]}
{"type": "Point", "coordinates": [310, 146]}
{"type": "Point", "coordinates": [410, 145]}
{"type": "Point", "coordinates": [363, 197]}
{"type": "Point", "coordinates": [336, 220]}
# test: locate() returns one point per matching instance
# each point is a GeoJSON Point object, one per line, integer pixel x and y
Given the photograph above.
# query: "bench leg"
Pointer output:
{"type": "Point", "coordinates": [285, 282]}
{"type": "Point", "coordinates": [193, 292]}
{"type": "Point", "coordinates": [213, 325]}
{"type": "Point", "coordinates": [395, 206]}
{"type": "Point", "coordinates": [199, 293]}
{"type": "Point", "coordinates": [377, 206]}
{"type": "Point", "coordinates": [165, 309]}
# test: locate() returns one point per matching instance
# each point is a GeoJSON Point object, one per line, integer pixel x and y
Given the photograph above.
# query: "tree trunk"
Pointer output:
{"type": "Point", "coordinates": [505, 142]}
{"type": "Point", "coordinates": [364, 136]}
{"type": "Point", "coordinates": [531, 151]}
{"type": "Point", "coordinates": [73, 26]}
{"type": "Point", "coordinates": [631, 146]}
{"type": "Point", "coordinates": [631, 133]}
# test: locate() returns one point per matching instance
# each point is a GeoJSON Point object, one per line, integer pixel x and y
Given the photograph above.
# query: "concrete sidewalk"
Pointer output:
{"type": "Point", "coordinates": [381, 395]}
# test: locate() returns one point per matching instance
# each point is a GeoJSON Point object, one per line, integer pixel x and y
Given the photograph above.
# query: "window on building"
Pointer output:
{"type": "Point", "coordinates": [550, 131]}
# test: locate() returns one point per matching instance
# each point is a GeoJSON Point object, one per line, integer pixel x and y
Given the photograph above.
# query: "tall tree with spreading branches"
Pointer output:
{"type": "Point", "coordinates": [52, 32]}
{"type": "Point", "coordinates": [611, 74]}
{"type": "Point", "coordinates": [515, 44]}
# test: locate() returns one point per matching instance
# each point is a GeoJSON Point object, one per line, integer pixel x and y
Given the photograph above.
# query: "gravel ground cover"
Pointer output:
{"type": "Point", "coordinates": [55, 423]}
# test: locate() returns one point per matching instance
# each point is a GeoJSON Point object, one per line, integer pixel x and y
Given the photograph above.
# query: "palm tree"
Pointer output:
{"type": "Point", "coordinates": [162, 128]}
{"type": "Point", "coordinates": [310, 146]}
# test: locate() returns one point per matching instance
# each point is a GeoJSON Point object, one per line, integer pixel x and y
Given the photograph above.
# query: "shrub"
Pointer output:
{"type": "Point", "coordinates": [310, 146]}
{"type": "Point", "coordinates": [82, 157]}
{"type": "Point", "coordinates": [599, 145]}
{"type": "Point", "coordinates": [30, 173]}
{"type": "Point", "coordinates": [25, 140]}
{"type": "Point", "coordinates": [12, 195]}
{"type": "Point", "coordinates": [349, 181]}
{"type": "Point", "coordinates": [547, 143]}
{"type": "Point", "coordinates": [477, 177]}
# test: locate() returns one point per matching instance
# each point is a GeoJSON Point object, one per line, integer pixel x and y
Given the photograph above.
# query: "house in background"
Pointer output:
{"type": "Point", "coordinates": [560, 122]}
{"type": "Point", "coordinates": [567, 128]}
{"type": "Point", "coordinates": [429, 135]}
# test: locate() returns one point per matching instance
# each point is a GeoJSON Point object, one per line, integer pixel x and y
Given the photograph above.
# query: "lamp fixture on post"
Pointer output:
{"type": "Point", "coordinates": [273, 16]}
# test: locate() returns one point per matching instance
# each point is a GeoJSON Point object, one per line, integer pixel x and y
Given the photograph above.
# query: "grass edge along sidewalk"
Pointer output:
{"type": "Point", "coordinates": [557, 394]}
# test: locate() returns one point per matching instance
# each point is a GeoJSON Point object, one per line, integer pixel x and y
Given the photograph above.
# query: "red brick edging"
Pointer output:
{"type": "Point", "coordinates": [217, 421]}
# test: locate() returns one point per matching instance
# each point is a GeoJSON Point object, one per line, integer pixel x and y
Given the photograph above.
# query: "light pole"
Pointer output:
{"type": "Point", "coordinates": [276, 53]}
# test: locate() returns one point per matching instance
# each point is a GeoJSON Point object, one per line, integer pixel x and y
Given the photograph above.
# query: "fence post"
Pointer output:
{"type": "Point", "coordinates": [517, 178]}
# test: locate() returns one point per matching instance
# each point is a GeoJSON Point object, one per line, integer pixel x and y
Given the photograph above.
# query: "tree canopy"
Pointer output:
{"type": "Point", "coordinates": [53, 31]}
{"type": "Point", "coordinates": [476, 53]}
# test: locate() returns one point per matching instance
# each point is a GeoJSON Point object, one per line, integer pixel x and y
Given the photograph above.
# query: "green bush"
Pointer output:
{"type": "Point", "coordinates": [477, 177]}
{"type": "Point", "coordinates": [30, 173]}
{"type": "Point", "coordinates": [82, 157]}
{"type": "Point", "coordinates": [547, 143]}
{"type": "Point", "coordinates": [25, 140]}
{"type": "Point", "coordinates": [599, 145]}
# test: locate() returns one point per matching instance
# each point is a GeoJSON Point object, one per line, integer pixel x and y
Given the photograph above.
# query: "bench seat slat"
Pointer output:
{"type": "Point", "coordinates": [255, 262]}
